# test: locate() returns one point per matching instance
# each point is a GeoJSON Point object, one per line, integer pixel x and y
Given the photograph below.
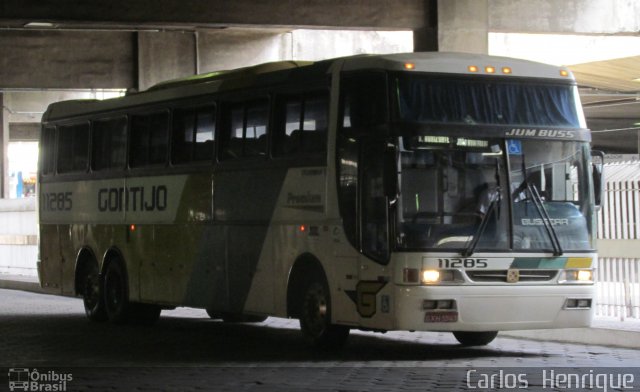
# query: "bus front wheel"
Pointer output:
{"type": "Point", "coordinates": [475, 338]}
{"type": "Point", "coordinates": [315, 317]}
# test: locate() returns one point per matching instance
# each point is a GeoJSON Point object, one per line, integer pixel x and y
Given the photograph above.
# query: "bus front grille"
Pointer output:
{"type": "Point", "coordinates": [501, 275]}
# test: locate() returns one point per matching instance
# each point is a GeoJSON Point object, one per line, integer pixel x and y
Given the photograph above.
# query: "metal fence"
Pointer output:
{"type": "Point", "coordinates": [619, 217]}
{"type": "Point", "coordinates": [618, 288]}
{"type": "Point", "coordinates": [618, 278]}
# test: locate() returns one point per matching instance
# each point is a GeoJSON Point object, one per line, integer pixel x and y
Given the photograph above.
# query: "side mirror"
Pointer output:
{"type": "Point", "coordinates": [390, 179]}
{"type": "Point", "coordinates": [597, 172]}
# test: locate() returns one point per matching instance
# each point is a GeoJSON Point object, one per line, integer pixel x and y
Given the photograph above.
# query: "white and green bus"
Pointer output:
{"type": "Point", "coordinates": [421, 191]}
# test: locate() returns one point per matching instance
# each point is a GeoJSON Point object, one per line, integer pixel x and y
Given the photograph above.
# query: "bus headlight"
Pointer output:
{"type": "Point", "coordinates": [433, 276]}
{"type": "Point", "coordinates": [585, 276]}
{"type": "Point", "coordinates": [577, 276]}
{"type": "Point", "coordinates": [430, 276]}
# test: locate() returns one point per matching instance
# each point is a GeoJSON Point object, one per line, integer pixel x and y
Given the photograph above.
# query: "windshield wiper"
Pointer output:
{"type": "Point", "coordinates": [546, 219]}
{"type": "Point", "coordinates": [542, 210]}
{"type": "Point", "coordinates": [495, 199]}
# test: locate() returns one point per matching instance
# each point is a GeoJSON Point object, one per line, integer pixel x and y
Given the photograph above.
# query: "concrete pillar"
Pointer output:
{"type": "Point", "coordinates": [463, 26]}
{"type": "Point", "coordinates": [4, 158]}
{"type": "Point", "coordinates": [165, 55]}
{"type": "Point", "coordinates": [426, 38]}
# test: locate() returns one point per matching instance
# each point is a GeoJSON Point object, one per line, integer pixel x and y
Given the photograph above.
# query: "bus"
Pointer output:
{"type": "Point", "coordinates": [420, 191]}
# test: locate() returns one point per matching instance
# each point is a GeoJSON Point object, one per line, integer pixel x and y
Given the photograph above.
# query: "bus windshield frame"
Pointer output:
{"type": "Point", "coordinates": [472, 166]}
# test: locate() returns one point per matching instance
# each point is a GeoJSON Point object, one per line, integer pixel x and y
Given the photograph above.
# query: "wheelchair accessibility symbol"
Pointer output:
{"type": "Point", "coordinates": [514, 147]}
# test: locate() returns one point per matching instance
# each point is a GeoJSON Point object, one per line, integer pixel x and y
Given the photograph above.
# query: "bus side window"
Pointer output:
{"type": "Point", "coordinates": [73, 148]}
{"type": "Point", "coordinates": [149, 139]}
{"type": "Point", "coordinates": [302, 125]}
{"type": "Point", "coordinates": [193, 135]}
{"type": "Point", "coordinates": [109, 143]}
{"type": "Point", "coordinates": [48, 148]}
{"type": "Point", "coordinates": [245, 130]}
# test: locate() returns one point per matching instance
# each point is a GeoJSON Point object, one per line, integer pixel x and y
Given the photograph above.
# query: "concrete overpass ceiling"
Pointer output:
{"type": "Point", "coordinates": [622, 74]}
{"type": "Point", "coordinates": [163, 14]}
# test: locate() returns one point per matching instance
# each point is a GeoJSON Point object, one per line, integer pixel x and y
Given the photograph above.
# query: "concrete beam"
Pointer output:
{"type": "Point", "coordinates": [24, 132]}
{"type": "Point", "coordinates": [565, 16]}
{"type": "Point", "coordinates": [370, 14]}
{"type": "Point", "coordinates": [62, 59]}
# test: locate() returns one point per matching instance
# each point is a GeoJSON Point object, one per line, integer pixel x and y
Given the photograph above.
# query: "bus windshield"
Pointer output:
{"type": "Point", "coordinates": [554, 175]}
{"type": "Point", "coordinates": [448, 188]}
{"type": "Point", "coordinates": [455, 191]}
{"type": "Point", "coordinates": [476, 101]}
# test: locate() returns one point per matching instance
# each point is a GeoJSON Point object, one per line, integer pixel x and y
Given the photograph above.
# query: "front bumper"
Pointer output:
{"type": "Point", "coordinates": [495, 308]}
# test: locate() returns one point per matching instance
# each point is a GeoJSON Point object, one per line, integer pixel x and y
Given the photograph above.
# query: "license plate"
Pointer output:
{"type": "Point", "coordinates": [441, 317]}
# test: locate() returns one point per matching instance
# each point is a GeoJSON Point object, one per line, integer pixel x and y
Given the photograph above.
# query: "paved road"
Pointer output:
{"type": "Point", "coordinates": [187, 351]}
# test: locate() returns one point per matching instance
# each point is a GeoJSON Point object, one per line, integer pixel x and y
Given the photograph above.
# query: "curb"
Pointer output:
{"type": "Point", "coordinates": [23, 285]}
{"type": "Point", "coordinates": [589, 336]}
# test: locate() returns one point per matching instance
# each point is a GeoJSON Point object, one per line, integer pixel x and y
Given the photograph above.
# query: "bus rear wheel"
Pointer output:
{"type": "Point", "coordinates": [92, 298]}
{"type": "Point", "coordinates": [315, 317]}
{"type": "Point", "coordinates": [116, 294]}
{"type": "Point", "coordinates": [475, 338]}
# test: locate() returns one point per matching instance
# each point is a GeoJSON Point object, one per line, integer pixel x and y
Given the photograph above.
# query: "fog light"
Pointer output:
{"type": "Point", "coordinates": [571, 303]}
{"type": "Point", "coordinates": [445, 304]}
{"type": "Point", "coordinates": [584, 303]}
{"type": "Point", "coordinates": [429, 304]}
{"type": "Point", "coordinates": [430, 276]}
{"type": "Point", "coordinates": [441, 304]}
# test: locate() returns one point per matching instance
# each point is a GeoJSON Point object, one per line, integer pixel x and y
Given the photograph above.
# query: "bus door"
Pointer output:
{"type": "Point", "coordinates": [374, 285]}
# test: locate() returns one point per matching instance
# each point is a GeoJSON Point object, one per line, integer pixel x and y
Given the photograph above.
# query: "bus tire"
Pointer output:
{"type": "Point", "coordinates": [475, 338]}
{"type": "Point", "coordinates": [116, 293]}
{"type": "Point", "coordinates": [315, 317]}
{"type": "Point", "coordinates": [92, 297]}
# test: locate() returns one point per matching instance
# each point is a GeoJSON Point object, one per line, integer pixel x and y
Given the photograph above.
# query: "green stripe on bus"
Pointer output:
{"type": "Point", "coordinates": [539, 263]}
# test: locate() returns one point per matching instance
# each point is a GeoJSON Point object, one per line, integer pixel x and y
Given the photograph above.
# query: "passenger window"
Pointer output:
{"type": "Point", "coordinates": [302, 125]}
{"type": "Point", "coordinates": [73, 148]}
{"type": "Point", "coordinates": [246, 130]}
{"type": "Point", "coordinates": [193, 135]}
{"type": "Point", "coordinates": [148, 140]}
{"type": "Point", "coordinates": [109, 143]}
{"type": "Point", "coordinates": [48, 147]}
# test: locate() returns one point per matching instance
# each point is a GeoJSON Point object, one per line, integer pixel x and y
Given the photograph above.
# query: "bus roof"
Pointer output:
{"type": "Point", "coordinates": [278, 72]}
{"type": "Point", "coordinates": [458, 63]}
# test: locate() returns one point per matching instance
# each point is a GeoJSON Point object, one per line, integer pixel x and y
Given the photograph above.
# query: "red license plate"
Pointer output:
{"type": "Point", "coordinates": [441, 317]}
